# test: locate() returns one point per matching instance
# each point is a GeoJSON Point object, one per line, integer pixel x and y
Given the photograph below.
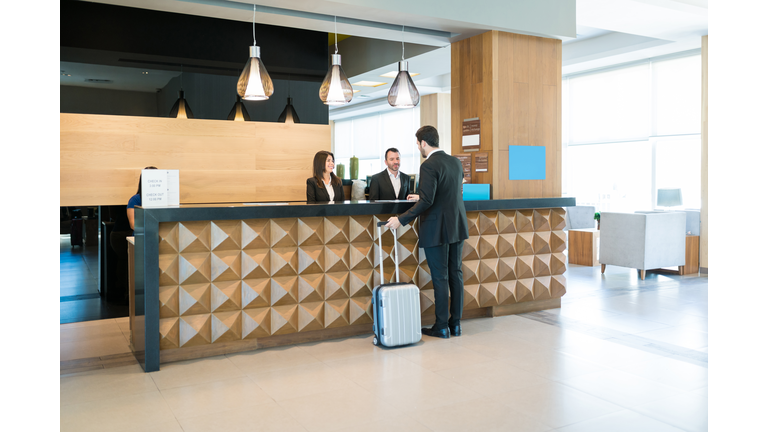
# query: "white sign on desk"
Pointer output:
{"type": "Point", "coordinates": [159, 188]}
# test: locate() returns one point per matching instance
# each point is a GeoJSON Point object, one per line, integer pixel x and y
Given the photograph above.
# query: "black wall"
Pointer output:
{"type": "Point", "coordinates": [212, 52]}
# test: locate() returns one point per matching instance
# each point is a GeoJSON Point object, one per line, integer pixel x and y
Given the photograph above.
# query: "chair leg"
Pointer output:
{"type": "Point", "coordinates": [680, 270]}
{"type": "Point", "coordinates": [642, 274]}
{"type": "Point", "coordinates": [602, 268]}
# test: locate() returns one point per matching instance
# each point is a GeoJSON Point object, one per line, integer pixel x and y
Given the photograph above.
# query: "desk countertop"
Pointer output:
{"type": "Point", "coordinates": [346, 208]}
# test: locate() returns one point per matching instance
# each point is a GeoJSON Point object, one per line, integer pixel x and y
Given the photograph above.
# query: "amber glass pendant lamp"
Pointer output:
{"type": "Point", "coordinates": [403, 93]}
{"type": "Point", "coordinates": [336, 89]}
{"type": "Point", "coordinates": [254, 82]}
{"type": "Point", "coordinates": [181, 109]}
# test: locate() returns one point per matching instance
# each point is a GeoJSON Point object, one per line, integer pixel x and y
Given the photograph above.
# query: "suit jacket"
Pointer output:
{"type": "Point", "coordinates": [440, 209]}
{"type": "Point", "coordinates": [382, 189]}
{"type": "Point", "coordinates": [319, 194]}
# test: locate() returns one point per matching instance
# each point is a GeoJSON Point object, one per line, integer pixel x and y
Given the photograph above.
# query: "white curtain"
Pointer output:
{"type": "Point", "coordinates": [368, 137]}
{"type": "Point", "coordinates": [629, 131]}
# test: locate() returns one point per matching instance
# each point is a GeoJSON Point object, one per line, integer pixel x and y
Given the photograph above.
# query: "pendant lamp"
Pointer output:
{"type": "Point", "coordinates": [289, 114]}
{"type": "Point", "coordinates": [403, 93]}
{"type": "Point", "coordinates": [239, 113]}
{"type": "Point", "coordinates": [254, 82]}
{"type": "Point", "coordinates": [336, 89]}
{"type": "Point", "coordinates": [181, 109]}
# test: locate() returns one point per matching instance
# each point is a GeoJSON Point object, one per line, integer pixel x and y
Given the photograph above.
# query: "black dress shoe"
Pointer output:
{"type": "Point", "coordinates": [455, 330]}
{"type": "Point", "coordinates": [441, 333]}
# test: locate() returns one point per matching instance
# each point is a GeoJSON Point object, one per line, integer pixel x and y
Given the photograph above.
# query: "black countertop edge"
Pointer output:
{"type": "Point", "coordinates": [347, 208]}
{"type": "Point", "coordinates": [518, 204]}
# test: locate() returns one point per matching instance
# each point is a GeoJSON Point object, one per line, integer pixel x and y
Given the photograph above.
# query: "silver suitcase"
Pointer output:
{"type": "Point", "coordinates": [396, 308]}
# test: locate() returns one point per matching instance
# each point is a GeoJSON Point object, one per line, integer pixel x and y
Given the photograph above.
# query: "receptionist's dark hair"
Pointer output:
{"type": "Point", "coordinates": [138, 192]}
{"type": "Point", "coordinates": [318, 165]}
{"type": "Point", "coordinates": [428, 134]}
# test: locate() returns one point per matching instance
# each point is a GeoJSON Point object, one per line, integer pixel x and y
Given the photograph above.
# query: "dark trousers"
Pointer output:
{"type": "Point", "coordinates": [444, 263]}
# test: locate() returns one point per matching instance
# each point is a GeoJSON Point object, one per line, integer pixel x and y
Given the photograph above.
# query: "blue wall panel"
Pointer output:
{"type": "Point", "coordinates": [527, 163]}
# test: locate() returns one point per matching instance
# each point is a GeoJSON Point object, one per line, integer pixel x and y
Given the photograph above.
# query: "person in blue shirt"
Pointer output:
{"type": "Point", "coordinates": [135, 200]}
{"type": "Point", "coordinates": [122, 228]}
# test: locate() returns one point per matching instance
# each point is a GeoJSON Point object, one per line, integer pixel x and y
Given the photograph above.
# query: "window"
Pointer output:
{"type": "Point", "coordinates": [367, 138]}
{"type": "Point", "coordinates": [612, 176]}
{"type": "Point", "coordinates": [610, 106]}
{"type": "Point", "coordinates": [678, 165]}
{"type": "Point", "coordinates": [630, 130]}
{"type": "Point", "coordinates": [677, 96]}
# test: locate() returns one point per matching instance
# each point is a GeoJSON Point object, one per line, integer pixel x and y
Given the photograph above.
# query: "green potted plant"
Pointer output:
{"type": "Point", "coordinates": [597, 218]}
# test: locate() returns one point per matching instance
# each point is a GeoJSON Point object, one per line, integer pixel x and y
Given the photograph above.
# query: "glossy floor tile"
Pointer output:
{"type": "Point", "coordinates": [621, 354]}
{"type": "Point", "coordinates": [79, 298]}
{"type": "Point", "coordinates": [94, 339]}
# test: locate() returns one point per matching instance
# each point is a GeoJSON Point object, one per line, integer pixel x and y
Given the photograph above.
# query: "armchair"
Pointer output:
{"type": "Point", "coordinates": [642, 240]}
{"type": "Point", "coordinates": [579, 217]}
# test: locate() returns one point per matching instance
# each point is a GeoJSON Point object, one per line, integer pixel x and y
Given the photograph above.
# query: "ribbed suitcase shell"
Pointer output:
{"type": "Point", "coordinates": [396, 314]}
{"type": "Point", "coordinates": [396, 308]}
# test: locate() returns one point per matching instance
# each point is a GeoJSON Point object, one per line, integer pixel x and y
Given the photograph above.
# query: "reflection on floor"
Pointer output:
{"type": "Point", "coordinates": [79, 285]}
{"type": "Point", "coordinates": [621, 354]}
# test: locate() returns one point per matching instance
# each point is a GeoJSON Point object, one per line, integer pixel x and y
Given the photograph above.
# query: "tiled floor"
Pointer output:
{"type": "Point", "coordinates": [621, 354]}
{"type": "Point", "coordinates": [79, 285]}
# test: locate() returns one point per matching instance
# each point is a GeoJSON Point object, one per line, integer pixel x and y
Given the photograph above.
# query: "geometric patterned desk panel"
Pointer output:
{"type": "Point", "coordinates": [230, 280]}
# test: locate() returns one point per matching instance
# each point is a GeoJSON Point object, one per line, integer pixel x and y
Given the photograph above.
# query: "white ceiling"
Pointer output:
{"type": "Point", "coordinates": [605, 32]}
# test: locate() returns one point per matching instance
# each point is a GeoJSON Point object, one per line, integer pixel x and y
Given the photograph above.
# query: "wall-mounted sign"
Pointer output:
{"type": "Point", "coordinates": [466, 165]}
{"type": "Point", "coordinates": [159, 188]}
{"type": "Point", "coordinates": [481, 162]}
{"type": "Point", "coordinates": [470, 134]}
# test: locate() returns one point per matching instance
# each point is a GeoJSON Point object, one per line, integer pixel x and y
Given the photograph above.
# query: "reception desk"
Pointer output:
{"type": "Point", "coordinates": [216, 279]}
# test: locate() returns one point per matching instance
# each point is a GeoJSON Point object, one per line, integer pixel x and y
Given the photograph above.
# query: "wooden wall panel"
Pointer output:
{"type": "Point", "coordinates": [473, 95]}
{"type": "Point", "coordinates": [101, 158]}
{"type": "Point", "coordinates": [435, 110]}
{"type": "Point", "coordinates": [513, 84]}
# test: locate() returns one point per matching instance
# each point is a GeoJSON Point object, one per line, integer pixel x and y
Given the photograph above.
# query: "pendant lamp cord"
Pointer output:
{"type": "Point", "coordinates": [254, 25]}
{"type": "Point", "coordinates": [335, 36]}
{"type": "Point", "coordinates": [403, 42]}
{"type": "Point", "coordinates": [182, 77]}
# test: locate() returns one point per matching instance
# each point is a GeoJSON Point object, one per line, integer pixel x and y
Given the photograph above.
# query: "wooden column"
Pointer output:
{"type": "Point", "coordinates": [435, 110]}
{"type": "Point", "coordinates": [704, 157]}
{"type": "Point", "coordinates": [512, 83]}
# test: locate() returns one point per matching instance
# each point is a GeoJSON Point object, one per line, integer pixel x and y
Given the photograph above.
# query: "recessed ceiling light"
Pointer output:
{"type": "Point", "coordinates": [145, 73]}
{"type": "Point", "coordinates": [65, 74]}
{"type": "Point", "coordinates": [368, 84]}
{"type": "Point", "coordinates": [393, 74]}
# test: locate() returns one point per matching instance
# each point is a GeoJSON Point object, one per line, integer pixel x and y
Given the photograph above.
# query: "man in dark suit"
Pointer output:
{"type": "Point", "coordinates": [442, 229]}
{"type": "Point", "coordinates": [390, 184]}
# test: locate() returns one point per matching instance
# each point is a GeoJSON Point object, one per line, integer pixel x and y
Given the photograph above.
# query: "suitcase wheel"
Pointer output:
{"type": "Point", "coordinates": [375, 340]}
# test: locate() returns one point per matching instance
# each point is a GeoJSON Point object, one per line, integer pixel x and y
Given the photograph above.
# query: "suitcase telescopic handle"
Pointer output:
{"type": "Point", "coordinates": [381, 253]}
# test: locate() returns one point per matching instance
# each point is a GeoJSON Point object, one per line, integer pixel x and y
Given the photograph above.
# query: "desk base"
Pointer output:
{"type": "Point", "coordinates": [582, 246]}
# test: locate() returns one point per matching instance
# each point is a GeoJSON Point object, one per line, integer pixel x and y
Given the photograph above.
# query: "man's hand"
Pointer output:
{"type": "Point", "coordinates": [393, 223]}
{"type": "Point", "coordinates": [413, 197]}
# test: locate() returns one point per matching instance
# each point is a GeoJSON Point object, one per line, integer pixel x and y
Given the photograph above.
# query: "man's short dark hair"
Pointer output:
{"type": "Point", "coordinates": [428, 134]}
{"type": "Point", "coordinates": [386, 153]}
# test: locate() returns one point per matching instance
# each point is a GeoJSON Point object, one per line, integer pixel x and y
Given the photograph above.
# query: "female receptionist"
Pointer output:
{"type": "Point", "coordinates": [123, 227]}
{"type": "Point", "coordinates": [324, 186]}
{"type": "Point", "coordinates": [135, 200]}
